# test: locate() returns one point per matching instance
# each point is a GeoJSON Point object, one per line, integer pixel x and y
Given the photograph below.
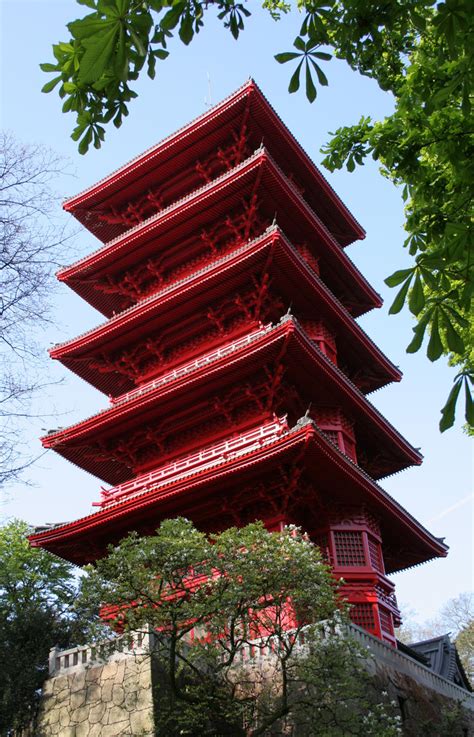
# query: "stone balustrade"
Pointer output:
{"type": "Point", "coordinates": [140, 643]}
{"type": "Point", "coordinates": [84, 656]}
{"type": "Point", "coordinates": [402, 663]}
{"type": "Point", "coordinates": [383, 654]}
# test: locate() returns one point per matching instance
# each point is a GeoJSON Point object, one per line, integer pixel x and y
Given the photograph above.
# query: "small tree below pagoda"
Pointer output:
{"type": "Point", "coordinates": [237, 640]}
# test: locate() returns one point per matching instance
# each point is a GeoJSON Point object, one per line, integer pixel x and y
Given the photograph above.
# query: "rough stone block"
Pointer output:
{"type": "Point", "coordinates": [78, 681]}
{"type": "Point", "coordinates": [94, 673]}
{"type": "Point", "coordinates": [144, 678]}
{"type": "Point", "coordinates": [78, 698]}
{"type": "Point", "coordinates": [130, 700]}
{"type": "Point", "coordinates": [117, 714]}
{"type": "Point", "coordinates": [144, 698]}
{"type": "Point", "coordinates": [60, 684]}
{"type": "Point", "coordinates": [93, 693]}
{"type": "Point", "coordinates": [109, 670]}
{"type": "Point", "coordinates": [120, 672]}
{"type": "Point", "coordinates": [53, 715]}
{"type": "Point", "coordinates": [131, 677]}
{"type": "Point", "coordinates": [80, 714]}
{"type": "Point", "coordinates": [141, 722]}
{"type": "Point", "coordinates": [118, 694]}
{"type": "Point", "coordinates": [48, 687]}
{"type": "Point", "coordinates": [64, 716]}
{"type": "Point", "coordinates": [83, 730]}
{"type": "Point", "coordinates": [113, 730]}
{"type": "Point", "coordinates": [97, 712]}
{"type": "Point", "coordinates": [95, 730]}
{"type": "Point", "coordinates": [67, 732]}
{"type": "Point", "coordinates": [107, 691]}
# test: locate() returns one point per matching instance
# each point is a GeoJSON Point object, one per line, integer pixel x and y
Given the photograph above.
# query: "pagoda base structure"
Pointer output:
{"type": "Point", "coordinates": [236, 372]}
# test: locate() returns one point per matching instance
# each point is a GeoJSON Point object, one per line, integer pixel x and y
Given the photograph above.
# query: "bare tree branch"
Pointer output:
{"type": "Point", "coordinates": [30, 244]}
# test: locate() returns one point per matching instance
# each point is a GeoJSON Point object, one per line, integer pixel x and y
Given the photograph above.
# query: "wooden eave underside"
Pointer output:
{"type": "Point", "coordinates": [305, 292]}
{"type": "Point", "coordinates": [157, 163]}
{"type": "Point", "coordinates": [259, 174]}
{"type": "Point", "coordinates": [200, 496]}
{"type": "Point", "coordinates": [286, 343]}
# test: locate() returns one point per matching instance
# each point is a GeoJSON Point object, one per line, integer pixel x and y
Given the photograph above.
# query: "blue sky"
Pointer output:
{"type": "Point", "coordinates": [439, 493]}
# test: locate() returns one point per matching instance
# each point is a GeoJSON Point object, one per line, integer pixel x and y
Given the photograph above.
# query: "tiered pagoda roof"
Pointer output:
{"type": "Point", "coordinates": [211, 144]}
{"type": "Point", "coordinates": [189, 396]}
{"type": "Point", "coordinates": [227, 211]}
{"type": "Point", "coordinates": [298, 286]}
{"type": "Point", "coordinates": [236, 372]}
{"type": "Point", "coordinates": [194, 493]}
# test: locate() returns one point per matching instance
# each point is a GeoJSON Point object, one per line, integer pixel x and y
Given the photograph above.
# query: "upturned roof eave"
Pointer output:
{"type": "Point", "coordinates": [151, 302]}
{"type": "Point", "coordinates": [131, 406]}
{"type": "Point", "coordinates": [289, 326]}
{"type": "Point", "coordinates": [176, 209]}
{"type": "Point", "coordinates": [90, 195]}
{"type": "Point", "coordinates": [123, 507]}
{"type": "Point", "coordinates": [67, 349]}
{"type": "Point", "coordinates": [298, 435]}
{"type": "Point", "coordinates": [285, 132]}
{"type": "Point", "coordinates": [180, 209]}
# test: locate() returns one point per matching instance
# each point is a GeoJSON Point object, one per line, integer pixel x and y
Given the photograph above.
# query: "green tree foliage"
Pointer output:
{"type": "Point", "coordinates": [452, 721]}
{"type": "Point", "coordinates": [418, 50]}
{"type": "Point", "coordinates": [425, 147]}
{"type": "Point", "coordinates": [36, 592]}
{"type": "Point", "coordinates": [215, 602]}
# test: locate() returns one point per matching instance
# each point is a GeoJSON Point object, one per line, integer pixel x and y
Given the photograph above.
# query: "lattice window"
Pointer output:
{"type": "Point", "coordinates": [363, 615]}
{"type": "Point", "coordinates": [386, 621]}
{"type": "Point", "coordinates": [349, 549]}
{"type": "Point", "coordinates": [375, 555]}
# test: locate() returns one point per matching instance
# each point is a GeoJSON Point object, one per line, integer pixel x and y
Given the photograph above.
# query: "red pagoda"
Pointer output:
{"type": "Point", "coordinates": [236, 372]}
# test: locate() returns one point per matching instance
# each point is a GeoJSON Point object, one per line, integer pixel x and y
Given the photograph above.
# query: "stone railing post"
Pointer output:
{"type": "Point", "coordinates": [147, 639]}
{"type": "Point", "coordinates": [53, 654]}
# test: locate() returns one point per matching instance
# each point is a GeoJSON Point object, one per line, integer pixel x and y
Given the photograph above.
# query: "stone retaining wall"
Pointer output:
{"type": "Point", "coordinates": [86, 698]}
{"type": "Point", "coordinates": [102, 700]}
{"type": "Point", "coordinates": [424, 711]}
